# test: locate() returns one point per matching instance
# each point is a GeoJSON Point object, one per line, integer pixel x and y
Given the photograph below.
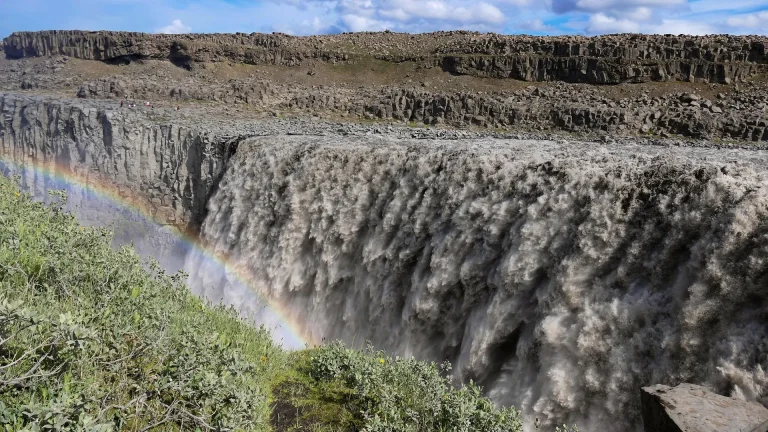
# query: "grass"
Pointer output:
{"type": "Point", "coordinates": [92, 340]}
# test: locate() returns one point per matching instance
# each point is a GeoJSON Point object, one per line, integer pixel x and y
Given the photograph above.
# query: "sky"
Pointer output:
{"type": "Point", "coordinates": [302, 17]}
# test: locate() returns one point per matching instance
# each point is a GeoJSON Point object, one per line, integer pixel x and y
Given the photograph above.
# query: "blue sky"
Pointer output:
{"type": "Point", "coordinates": [330, 16]}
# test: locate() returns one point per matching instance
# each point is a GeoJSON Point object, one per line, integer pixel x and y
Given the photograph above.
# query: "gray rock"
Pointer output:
{"type": "Point", "coordinates": [573, 109]}
{"type": "Point", "coordinates": [692, 408]}
{"type": "Point", "coordinates": [688, 98]}
{"type": "Point", "coordinates": [609, 59]}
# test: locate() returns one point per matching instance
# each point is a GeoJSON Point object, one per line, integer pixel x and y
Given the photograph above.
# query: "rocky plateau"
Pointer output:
{"type": "Point", "coordinates": [704, 88]}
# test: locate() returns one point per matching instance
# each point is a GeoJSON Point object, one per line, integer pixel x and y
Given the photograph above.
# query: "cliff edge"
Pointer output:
{"type": "Point", "coordinates": [712, 88]}
{"type": "Point", "coordinates": [610, 59]}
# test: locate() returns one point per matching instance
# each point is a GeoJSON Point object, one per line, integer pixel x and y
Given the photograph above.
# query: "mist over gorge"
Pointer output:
{"type": "Point", "coordinates": [562, 276]}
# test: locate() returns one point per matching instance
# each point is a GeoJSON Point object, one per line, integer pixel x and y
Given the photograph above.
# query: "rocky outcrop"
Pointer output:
{"type": "Point", "coordinates": [739, 112]}
{"type": "Point", "coordinates": [599, 60]}
{"type": "Point", "coordinates": [252, 92]}
{"type": "Point", "coordinates": [183, 50]}
{"type": "Point", "coordinates": [567, 109]}
{"type": "Point", "coordinates": [741, 116]}
{"type": "Point", "coordinates": [611, 59]}
{"type": "Point", "coordinates": [692, 408]}
{"type": "Point", "coordinates": [169, 168]}
{"type": "Point", "coordinates": [596, 70]}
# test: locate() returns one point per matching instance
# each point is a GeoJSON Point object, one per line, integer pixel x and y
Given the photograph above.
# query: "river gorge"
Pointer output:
{"type": "Point", "coordinates": [561, 275]}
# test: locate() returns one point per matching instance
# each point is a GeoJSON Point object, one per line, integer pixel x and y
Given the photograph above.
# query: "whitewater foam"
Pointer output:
{"type": "Point", "coordinates": [562, 277]}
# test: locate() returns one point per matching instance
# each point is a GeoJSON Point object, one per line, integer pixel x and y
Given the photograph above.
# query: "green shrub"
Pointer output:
{"type": "Point", "coordinates": [91, 340]}
{"type": "Point", "coordinates": [395, 394]}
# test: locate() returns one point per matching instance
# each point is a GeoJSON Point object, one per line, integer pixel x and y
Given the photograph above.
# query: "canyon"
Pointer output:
{"type": "Point", "coordinates": [553, 256]}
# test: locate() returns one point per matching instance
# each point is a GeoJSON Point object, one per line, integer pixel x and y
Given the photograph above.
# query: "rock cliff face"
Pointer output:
{"type": "Point", "coordinates": [610, 59]}
{"type": "Point", "coordinates": [183, 50]}
{"type": "Point", "coordinates": [600, 60]}
{"type": "Point", "coordinates": [408, 84]}
{"type": "Point", "coordinates": [170, 168]}
{"type": "Point", "coordinates": [597, 70]}
{"type": "Point", "coordinates": [740, 117]}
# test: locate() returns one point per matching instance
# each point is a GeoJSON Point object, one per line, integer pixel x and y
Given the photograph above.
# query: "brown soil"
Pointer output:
{"type": "Point", "coordinates": [368, 73]}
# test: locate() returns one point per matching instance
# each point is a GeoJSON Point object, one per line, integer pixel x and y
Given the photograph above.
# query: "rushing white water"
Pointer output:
{"type": "Point", "coordinates": [561, 277]}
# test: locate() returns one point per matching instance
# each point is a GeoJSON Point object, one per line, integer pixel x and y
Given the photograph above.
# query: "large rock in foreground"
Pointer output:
{"type": "Point", "coordinates": [692, 408]}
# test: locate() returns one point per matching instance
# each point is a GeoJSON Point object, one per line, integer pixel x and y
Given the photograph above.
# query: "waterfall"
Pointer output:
{"type": "Point", "coordinates": [561, 276]}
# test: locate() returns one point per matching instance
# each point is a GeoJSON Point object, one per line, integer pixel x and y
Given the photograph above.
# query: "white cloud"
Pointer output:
{"type": "Point", "coordinates": [535, 25]}
{"type": "Point", "coordinates": [406, 10]}
{"type": "Point", "coordinates": [597, 5]}
{"type": "Point", "coordinates": [313, 26]}
{"type": "Point", "coordinates": [704, 6]}
{"type": "Point", "coordinates": [482, 12]}
{"type": "Point", "coordinates": [600, 23]}
{"type": "Point", "coordinates": [676, 27]}
{"type": "Point", "coordinates": [397, 14]}
{"type": "Point", "coordinates": [175, 27]}
{"type": "Point", "coordinates": [357, 23]}
{"type": "Point", "coordinates": [750, 20]}
{"type": "Point", "coordinates": [623, 11]}
{"type": "Point", "coordinates": [356, 6]}
{"type": "Point", "coordinates": [641, 13]}
{"type": "Point", "coordinates": [521, 2]}
{"type": "Point", "coordinates": [322, 16]}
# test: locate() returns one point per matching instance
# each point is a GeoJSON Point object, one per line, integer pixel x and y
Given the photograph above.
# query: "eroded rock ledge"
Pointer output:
{"type": "Point", "coordinates": [610, 59]}
{"type": "Point", "coordinates": [738, 112]}
{"type": "Point", "coordinates": [171, 168]}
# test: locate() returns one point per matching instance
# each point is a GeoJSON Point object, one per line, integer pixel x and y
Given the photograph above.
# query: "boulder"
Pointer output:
{"type": "Point", "coordinates": [688, 98]}
{"type": "Point", "coordinates": [693, 408]}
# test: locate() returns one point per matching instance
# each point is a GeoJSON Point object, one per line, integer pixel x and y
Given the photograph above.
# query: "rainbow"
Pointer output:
{"type": "Point", "coordinates": [292, 332]}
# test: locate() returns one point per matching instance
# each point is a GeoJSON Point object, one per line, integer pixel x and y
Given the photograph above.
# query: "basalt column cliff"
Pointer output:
{"type": "Point", "coordinates": [706, 87]}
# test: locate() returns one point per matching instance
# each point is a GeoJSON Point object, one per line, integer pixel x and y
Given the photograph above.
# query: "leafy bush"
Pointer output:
{"type": "Point", "coordinates": [394, 394]}
{"type": "Point", "coordinates": [90, 340]}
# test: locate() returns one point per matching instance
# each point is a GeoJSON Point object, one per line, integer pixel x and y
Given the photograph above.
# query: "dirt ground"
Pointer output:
{"type": "Point", "coordinates": [365, 73]}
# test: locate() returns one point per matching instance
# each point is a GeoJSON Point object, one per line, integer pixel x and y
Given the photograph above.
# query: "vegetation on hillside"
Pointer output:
{"type": "Point", "coordinates": [91, 340]}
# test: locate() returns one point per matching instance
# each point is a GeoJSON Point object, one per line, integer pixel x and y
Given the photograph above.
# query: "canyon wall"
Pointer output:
{"type": "Point", "coordinates": [610, 59]}
{"type": "Point", "coordinates": [168, 168]}
{"type": "Point", "coordinates": [740, 115]}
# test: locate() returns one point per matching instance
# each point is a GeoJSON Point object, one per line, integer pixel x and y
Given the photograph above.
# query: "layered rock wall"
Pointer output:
{"type": "Point", "coordinates": [169, 168]}
{"type": "Point", "coordinates": [599, 70]}
{"type": "Point", "coordinates": [743, 117]}
{"type": "Point", "coordinates": [184, 50]}
{"type": "Point", "coordinates": [599, 60]}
